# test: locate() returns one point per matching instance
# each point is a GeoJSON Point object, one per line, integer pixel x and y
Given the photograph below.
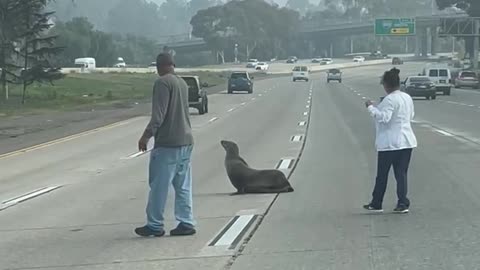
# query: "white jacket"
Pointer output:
{"type": "Point", "coordinates": [393, 118]}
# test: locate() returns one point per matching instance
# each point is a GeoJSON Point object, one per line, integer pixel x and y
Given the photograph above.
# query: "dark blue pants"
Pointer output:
{"type": "Point", "coordinates": [400, 160]}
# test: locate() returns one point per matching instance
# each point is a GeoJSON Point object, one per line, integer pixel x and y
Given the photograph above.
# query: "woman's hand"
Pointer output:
{"type": "Point", "coordinates": [368, 103]}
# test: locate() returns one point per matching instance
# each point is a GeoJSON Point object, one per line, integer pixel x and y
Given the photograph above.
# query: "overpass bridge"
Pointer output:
{"type": "Point", "coordinates": [426, 29]}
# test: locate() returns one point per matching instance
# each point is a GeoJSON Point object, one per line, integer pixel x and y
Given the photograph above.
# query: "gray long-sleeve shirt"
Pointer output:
{"type": "Point", "coordinates": [170, 121]}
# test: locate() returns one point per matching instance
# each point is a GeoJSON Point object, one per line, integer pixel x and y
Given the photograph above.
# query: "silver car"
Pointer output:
{"type": "Point", "coordinates": [467, 79]}
{"type": "Point", "coordinates": [334, 74]}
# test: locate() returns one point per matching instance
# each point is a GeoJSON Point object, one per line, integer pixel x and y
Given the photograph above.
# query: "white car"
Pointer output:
{"type": "Point", "coordinates": [262, 66]}
{"type": "Point", "coordinates": [252, 63]}
{"type": "Point", "coordinates": [359, 59]}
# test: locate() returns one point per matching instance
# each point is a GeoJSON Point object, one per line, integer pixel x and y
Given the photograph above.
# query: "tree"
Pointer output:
{"type": "Point", "coordinates": [472, 7]}
{"type": "Point", "coordinates": [253, 24]}
{"type": "Point", "coordinates": [9, 12]}
{"type": "Point", "coordinates": [302, 6]}
{"type": "Point", "coordinates": [36, 46]}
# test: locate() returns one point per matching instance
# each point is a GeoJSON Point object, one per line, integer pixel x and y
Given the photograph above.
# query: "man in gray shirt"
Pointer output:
{"type": "Point", "coordinates": [170, 159]}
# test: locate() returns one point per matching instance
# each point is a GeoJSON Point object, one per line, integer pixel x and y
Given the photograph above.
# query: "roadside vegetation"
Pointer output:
{"type": "Point", "coordinates": [79, 90]}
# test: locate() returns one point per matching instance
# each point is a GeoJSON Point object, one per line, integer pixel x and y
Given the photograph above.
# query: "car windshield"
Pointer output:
{"type": "Point", "coordinates": [433, 73]}
{"type": "Point", "coordinates": [334, 71]}
{"type": "Point", "coordinates": [239, 76]}
{"type": "Point", "coordinates": [443, 73]}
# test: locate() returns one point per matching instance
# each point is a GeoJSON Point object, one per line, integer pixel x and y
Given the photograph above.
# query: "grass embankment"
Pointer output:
{"type": "Point", "coordinates": [79, 90]}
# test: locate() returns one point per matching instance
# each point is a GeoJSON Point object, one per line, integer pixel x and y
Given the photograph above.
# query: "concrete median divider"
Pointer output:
{"type": "Point", "coordinates": [285, 71]}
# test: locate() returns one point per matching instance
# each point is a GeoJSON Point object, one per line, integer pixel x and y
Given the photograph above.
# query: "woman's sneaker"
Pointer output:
{"type": "Point", "coordinates": [373, 209]}
{"type": "Point", "coordinates": [400, 209]}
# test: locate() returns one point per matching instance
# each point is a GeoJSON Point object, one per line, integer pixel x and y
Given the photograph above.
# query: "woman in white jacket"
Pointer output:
{"type": "Point", "coordinates": [395, 141]}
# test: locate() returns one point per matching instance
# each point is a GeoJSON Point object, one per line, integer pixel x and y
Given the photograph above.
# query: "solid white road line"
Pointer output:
{"type": "Point", "coordinates": [213, 119]}
{"type": "Point", "coordinates": [29, 195]}
{"type": "Point", "coordinates": [444, 133]}
{"type": "Point", "coordinates": [234, 231]}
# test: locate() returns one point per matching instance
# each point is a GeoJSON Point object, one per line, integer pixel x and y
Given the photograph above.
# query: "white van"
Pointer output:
{"type": "Point", "coordinates": [86, 64]}
{"type": "Point", "coordinates": [301, 73]}
{"type": "Point", "coordinates": [440, 75]}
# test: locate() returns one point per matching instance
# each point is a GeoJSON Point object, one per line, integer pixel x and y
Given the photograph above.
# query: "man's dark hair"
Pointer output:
{"type": "Point", "coordinates": [165, 60]}
{"type": "Point", "coordinates": [391, 78]}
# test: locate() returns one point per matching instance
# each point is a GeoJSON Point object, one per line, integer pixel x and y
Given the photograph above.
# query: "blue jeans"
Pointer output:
{"type": "Point", "coordinates": [170, 165]}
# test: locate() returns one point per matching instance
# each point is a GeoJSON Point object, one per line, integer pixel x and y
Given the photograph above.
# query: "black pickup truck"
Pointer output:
{"type": "Point", "coordinates": [197, 96]}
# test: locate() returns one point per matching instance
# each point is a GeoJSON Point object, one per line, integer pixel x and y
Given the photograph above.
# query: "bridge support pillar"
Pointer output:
{"type": "Point", "coordinates": [331, 50]}
{"type": "Point", "coordinates": [421, 42]}
{"type": "Point", "coordinates": [418, 44]}
{"type": "Point", "coordinates": [434, 41]}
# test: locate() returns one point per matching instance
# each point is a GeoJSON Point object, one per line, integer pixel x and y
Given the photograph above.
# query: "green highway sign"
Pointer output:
{"type": "Point", "coordinates": [395, 27]}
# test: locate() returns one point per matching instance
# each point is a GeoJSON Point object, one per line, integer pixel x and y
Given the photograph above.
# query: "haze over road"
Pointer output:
{"type": "Point", "coordinates": [92, 188]}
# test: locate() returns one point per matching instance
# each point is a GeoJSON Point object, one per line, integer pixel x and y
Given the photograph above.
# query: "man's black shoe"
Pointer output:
{"type": "Point", "coordinates": [373, 209]}
{"type": "Point", "coordinates": [401, 209]}
{"type": "Point", "coordinates": [145, 231]}
{"type": "Point", "coordinates": [183, 230]}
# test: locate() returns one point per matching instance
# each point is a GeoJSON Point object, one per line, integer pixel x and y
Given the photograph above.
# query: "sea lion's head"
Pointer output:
{"type": "Point", "coordinates": [230, 147]}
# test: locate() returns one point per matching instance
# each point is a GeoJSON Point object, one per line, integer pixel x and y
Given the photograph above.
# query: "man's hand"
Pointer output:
{"type": "Point", "coordinates": [142, 144]}
{"type": "Point", "coordinates": [368, 103]}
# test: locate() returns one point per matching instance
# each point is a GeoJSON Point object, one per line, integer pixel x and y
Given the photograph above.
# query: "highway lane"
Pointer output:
{"type": "Point", "coordinates": [323, 226]}
{"type": "Point", "coordinates": [88, 221]}
{"type": "Point", "coordinates": [456, 114]}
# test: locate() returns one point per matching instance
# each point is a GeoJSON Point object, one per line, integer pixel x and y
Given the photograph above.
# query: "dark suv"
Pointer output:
{"type": "Point", "coordinates": [240, 81]}
{"type": "Point", "coordinates": [197, 97]}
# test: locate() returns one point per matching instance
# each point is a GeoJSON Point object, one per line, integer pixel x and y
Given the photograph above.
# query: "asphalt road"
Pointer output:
{"type": "Point", "coordinates": [99, 188]}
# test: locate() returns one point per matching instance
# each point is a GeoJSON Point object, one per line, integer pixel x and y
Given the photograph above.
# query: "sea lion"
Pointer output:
{"type": "Point", "coordinates": [248, 180]}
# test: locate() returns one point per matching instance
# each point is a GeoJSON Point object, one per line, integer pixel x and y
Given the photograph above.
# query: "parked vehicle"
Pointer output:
{"type": "Point", "coordinates": [440, 75]}
{"type": "Point", "coordinates": [240, 81]}
{"type": "Point", "coordinates": [262, 66]}
{"type": "Point", "coordinates": [301, 73]}
{"type": "Point", "coordinates": [419, 86]}
{"type": "Point", "coordinates": [316, 60]}
{"type": "Point", "coordinates": [467, 79]}
{"type": "Point", "coordinates": [334, 74]}
{"type": "Point", "coordinates": [197, 96]}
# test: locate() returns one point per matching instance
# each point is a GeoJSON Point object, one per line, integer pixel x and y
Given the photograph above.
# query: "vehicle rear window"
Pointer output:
{"type": "Point", "coordinates": [468, 74]}
{"type": "Point", "coordinates": [334, 71]}
{"type": "Point", "coordinates": [238, 75]}
{"type": "Point", "coordinates": [300, 69]}
{"type": "Point", "coordinates": [191, 82]}
{"type": "Point", "coordinates": [443, 73]}
{"type": "Point", "coordinates": [416, 80]}
{"type": "Point", "coordinates": [433, 73]}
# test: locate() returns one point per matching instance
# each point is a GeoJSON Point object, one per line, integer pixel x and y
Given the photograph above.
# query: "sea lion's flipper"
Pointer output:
{"type": "Point", "coordinates": [244, 162]}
